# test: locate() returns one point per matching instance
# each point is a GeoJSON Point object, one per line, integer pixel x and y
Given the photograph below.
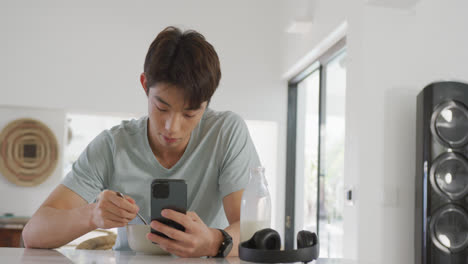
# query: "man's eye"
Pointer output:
{"type": "Point", "coordinates": [162, 110]}
{"type": "Point", "coordinates": [189, 116]}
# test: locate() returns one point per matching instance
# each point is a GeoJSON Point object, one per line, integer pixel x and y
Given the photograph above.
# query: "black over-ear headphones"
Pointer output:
{"type": "Point", "coordinates": [264, 246]}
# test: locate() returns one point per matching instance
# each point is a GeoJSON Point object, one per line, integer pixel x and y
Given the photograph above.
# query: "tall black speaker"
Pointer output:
{"type": "Point", "coordinates": [441, 216]}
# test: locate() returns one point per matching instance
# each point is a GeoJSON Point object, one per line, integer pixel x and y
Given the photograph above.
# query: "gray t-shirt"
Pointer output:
{"type": "Point", "coordinates": [215, 163]}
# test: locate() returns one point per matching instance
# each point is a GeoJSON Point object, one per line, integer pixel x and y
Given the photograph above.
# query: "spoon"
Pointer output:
{"type": "Point", "coordinates": [139, 215]}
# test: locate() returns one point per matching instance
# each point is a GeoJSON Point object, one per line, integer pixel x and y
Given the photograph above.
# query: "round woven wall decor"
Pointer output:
{"type": "Point", "coordinates": [28, 152]}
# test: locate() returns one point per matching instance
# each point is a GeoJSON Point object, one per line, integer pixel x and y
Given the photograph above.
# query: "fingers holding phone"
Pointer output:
{"type": "Point", "coordinates": [197, 240]}
{"type": "Point", "coordinates": [111, 210]}
{"type": "Point", "coordinates": [169, 232]}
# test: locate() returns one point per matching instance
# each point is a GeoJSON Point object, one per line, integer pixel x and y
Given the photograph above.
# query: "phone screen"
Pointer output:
{"type": "Point", "coordinates": [168, 194]}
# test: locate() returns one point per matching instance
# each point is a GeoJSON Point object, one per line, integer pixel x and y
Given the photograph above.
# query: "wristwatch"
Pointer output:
{"type": "Point", "coordinates": [226, 245]}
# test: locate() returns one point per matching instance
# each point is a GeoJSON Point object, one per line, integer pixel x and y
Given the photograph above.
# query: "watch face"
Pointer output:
{"type": "Point", "coordinates": [228, 248]}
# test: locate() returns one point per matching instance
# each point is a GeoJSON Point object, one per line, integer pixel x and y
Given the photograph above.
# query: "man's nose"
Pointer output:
{"type": "Point", "coordinates": [172, 123]}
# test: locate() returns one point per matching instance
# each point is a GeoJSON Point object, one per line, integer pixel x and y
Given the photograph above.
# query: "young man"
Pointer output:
{"type": "Point", "coordinates": [181, 138]}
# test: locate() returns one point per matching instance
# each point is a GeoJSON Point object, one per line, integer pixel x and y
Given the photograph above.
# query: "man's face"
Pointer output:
{"type": "Point", "coordinates": [171, 121]}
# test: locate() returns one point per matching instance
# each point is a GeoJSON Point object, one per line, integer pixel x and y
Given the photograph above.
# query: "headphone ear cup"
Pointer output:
{"type": "Point", "coordinates": [266, 239]}
{"type": "Point", "coordinates": [306, 239]}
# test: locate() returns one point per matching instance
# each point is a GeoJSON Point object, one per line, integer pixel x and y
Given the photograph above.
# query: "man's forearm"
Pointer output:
{"type": "Point", "coordinates": [51, 228]}
{"type": "Point", "coordinates": [234, 230]}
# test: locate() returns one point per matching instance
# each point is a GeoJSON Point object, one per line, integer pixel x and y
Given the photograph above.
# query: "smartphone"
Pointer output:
{"type": "Point", "coordinates": [168, 194]}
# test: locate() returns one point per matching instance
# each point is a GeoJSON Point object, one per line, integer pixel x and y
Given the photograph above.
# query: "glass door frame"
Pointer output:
{"type": "Point", "coordinates": [290, 187]}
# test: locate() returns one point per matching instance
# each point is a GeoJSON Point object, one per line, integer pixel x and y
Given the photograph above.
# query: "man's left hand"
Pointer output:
{"type": "Point", "coordinates": [198, 240]}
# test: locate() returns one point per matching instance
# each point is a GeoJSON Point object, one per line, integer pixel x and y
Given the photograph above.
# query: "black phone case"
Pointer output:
{"type": "Point", "coordinates": [176, 200]}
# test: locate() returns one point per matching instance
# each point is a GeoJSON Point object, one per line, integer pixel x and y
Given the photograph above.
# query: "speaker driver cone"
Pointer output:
{"type": "Point", "coordinates": [449, 229]}
{"type": "Point", "coordinates": [449, 124]}
{"type": "Point", "coordinates": [449, 175]}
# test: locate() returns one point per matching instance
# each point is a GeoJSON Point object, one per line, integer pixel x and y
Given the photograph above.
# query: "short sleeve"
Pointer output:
{"type": "Point", "coordinates": [239, 155]}
{"type": "Point", "coordinates": [90, 173]}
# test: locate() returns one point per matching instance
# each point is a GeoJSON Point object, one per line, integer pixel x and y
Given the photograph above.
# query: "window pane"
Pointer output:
{"type": "Point", "coordinates": [307, 153]}
{"type": "Point", "coordinates": [332, 161]}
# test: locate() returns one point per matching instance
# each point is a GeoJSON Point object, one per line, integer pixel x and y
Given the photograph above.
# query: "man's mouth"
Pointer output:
{"type": "Point", "coordinates": [169, 140]}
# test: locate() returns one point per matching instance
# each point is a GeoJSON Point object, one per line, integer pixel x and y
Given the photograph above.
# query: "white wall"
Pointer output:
{"type": "Point", "coordinates": [86, 57]}
{"type": "Point", "coordinates": [392, 54]}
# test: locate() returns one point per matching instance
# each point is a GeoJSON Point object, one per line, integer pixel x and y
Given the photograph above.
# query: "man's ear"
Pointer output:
{"type": "Point", "coordinates": [143, 83]}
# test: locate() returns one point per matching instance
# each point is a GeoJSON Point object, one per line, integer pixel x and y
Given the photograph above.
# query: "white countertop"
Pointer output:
{"type": "Point", "coordinates": [22, 255]}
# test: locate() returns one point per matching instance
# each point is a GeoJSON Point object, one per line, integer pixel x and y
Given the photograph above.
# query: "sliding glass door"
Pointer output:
{"type": "Point", "coordinates": [315, 172]}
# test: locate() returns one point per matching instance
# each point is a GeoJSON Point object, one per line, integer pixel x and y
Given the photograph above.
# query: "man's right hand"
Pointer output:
{"type": "Point", "coordinates": [110, 210]}
{"type": "Point", "coordinates": [65, 215]}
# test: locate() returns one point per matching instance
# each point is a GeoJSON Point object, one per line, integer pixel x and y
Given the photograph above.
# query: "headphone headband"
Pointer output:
{"type": "Point", "coordinates": [274, 256]}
